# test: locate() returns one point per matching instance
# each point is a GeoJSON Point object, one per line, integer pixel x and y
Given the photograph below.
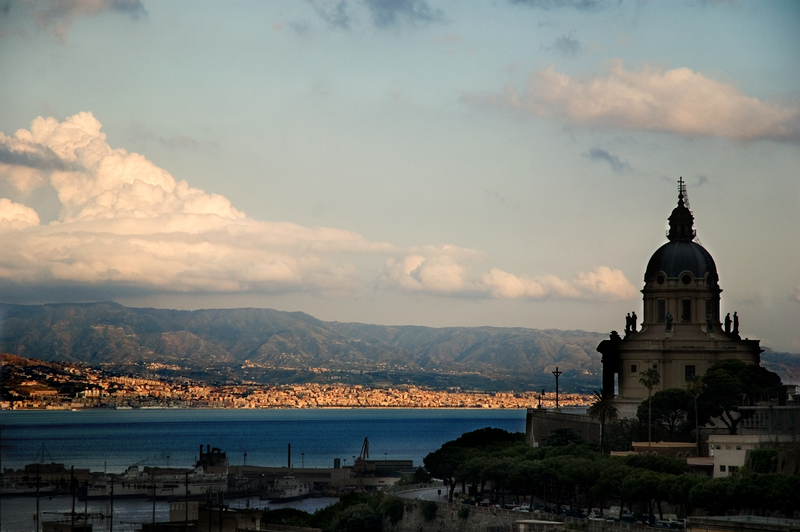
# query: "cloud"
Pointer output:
{"type": "Point", "coordinates": [678, 101]}
{"type": "Point", "coordinates": [127, 226]}
{"type": "Point", "coordinates": [566, 45]}
{"type": "Point", "coordinates": [553, 4]}
{"type": "Point", "coordinates": [439, 270]}
{"type": "Point", "coordinates": [58, 15]}
{"type": "Point", "coordinates": [598, 154]}
{"type": "Point", "coordinates": [601, 283]}
{"type": "Point", "coordinates": [389, 13]}
{"type": "Point", "coordinates": [176, 142]}
{"type": "Point", "coordinates": [336, 16]}
{"type": "Point", "coordinates": [16, 216]}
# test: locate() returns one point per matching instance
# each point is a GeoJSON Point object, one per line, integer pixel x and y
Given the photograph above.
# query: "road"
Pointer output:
{"type": "Point", "coordinates": [430, 494]}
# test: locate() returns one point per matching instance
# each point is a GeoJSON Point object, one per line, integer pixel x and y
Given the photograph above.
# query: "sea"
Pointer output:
{"type": "Point", "coordinates": [113, 440]}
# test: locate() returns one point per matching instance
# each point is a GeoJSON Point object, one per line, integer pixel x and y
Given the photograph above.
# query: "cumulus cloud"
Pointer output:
{"type": "Point", "coordinates": [597, 154]}
{"type": "Point", "coordinates": [16, 216]}
{"type": "Point", "coordinates": [678, 101]}
{"type": "Point", "coordinates": [127, 225]}
{"type": "Point", "coordinates": [600, 283]}
{"type": "Point", "coordinates": [439, 270]}
{"type": "Point", "coordinates": [58, 15]}
{"type": "Point", "coordinates": [446, 271]}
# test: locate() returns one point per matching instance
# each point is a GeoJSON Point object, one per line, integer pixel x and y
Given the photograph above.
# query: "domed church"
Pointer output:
{"type": "Point", "coordinates": [681, 333]}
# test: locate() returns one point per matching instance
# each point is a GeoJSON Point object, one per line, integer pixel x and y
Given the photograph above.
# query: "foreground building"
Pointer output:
{"type": "Point", "coordinates": [682, 333]}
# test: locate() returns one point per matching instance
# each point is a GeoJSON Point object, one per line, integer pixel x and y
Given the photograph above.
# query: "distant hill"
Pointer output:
{"type": "Point", "coordinates": [265, 344]}
{"type": "Point", "coordinates": [271, 347]}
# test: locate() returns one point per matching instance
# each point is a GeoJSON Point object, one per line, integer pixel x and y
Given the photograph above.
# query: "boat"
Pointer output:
{"type": "Point", "coordinates": [137, 484]}
{"type": "Point", "coordinates": [287, 488]}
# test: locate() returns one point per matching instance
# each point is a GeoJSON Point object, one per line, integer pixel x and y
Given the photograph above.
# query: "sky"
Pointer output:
{"type": "Point", "coordinates": [420, 162]}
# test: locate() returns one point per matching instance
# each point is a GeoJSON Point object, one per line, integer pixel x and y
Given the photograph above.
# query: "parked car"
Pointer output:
{"type": "Point", "coordinates": [485, 502]}
{"type": "Point", "coordinates": [471, 502]}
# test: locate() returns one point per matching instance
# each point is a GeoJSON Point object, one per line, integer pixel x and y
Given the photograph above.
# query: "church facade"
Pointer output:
{"type": "Point", "coordinates": [682, 333]}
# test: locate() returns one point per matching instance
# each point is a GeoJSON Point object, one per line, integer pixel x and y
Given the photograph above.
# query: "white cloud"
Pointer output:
{"type": "Point", "coordinates": [437, 270]}
{"type": "Point", "coordinates": [16, 216]}
{"type": "Point", "coordinates": [97, 181]}
{"type": "Point", "coordinates": [126, 224]}
{"type": "Point", "coordinates": [678, 101]}
{"type": "Point", "coordinates": [600, 283]}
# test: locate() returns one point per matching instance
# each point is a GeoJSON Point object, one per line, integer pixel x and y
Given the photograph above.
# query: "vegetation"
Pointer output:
{"type": "Point", "coordinates": [393, 508]}
{"type": "Point", "coordinates": [429, 510]}
{"type": "Point", "coordinates": [565, 471]}
{"type": "Point", "coordinates": [420, 476]}
{"type": "Point", "coordinates": [668, 410]}
{"type": "Point", "coordinates": [732, 383]}
{"type": "Point", "coordinates": [212, 345]}
{"type": "Point", "coordinates": [603, 409]}
{"type": "Point", "coordinates": [649, 378]}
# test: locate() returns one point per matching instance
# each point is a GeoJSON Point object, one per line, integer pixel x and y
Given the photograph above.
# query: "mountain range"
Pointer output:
{"type": "Point", "coordinates": [274, 347]}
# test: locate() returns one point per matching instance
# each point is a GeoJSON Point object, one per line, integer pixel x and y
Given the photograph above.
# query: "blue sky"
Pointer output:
{"type": "Point", "coordinates": [507, 163]}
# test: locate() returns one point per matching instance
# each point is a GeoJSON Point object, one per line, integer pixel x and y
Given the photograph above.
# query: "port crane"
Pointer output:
{"type": "Point", "coordinates": [360, 465]}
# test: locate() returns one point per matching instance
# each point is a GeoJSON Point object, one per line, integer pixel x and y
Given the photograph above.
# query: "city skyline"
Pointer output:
{"type": "Point", "coordinates": [399, 162]}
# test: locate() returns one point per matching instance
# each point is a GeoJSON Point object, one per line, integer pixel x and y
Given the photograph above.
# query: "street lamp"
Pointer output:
{"type": "Point", "coordinates": [557, 374]}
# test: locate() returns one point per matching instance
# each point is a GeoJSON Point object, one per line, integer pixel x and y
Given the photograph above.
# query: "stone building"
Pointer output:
{"type": "Point", "coordinates": [682, 333]}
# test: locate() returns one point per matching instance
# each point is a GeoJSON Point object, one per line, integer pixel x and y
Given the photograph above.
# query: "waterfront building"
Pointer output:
{"type": "Point", "coordinates": [682, 333]}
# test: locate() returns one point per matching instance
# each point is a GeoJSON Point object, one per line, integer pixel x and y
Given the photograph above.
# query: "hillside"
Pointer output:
{"type": "Point", "coordinates": [273, 347]}
{"type": "Point", "coordinates": [269, 345]}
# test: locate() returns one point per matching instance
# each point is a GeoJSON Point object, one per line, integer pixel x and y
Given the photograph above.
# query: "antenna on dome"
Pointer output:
{"type": "Point", "coordinates": [684, 196]}
{"type": "Point", "coordinates": [682, 193]}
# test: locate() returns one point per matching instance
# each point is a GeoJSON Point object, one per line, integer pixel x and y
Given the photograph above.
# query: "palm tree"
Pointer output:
{"type": "Point", "coordinates": [649, 378]}
{"type": "Point", "coordinates": [603, 409]}
{"type": "Point", "coordinates": [695, 388]}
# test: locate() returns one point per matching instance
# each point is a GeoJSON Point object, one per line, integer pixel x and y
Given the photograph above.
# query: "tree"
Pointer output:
{"type": "Point", "coordinates": [358, 518]}
{"type": "Point", "coordinates": [669, 409]}
{"type": "Point", "coordinates": [649, 378]}
{"type": "Point", "coordinates": [562, 437]}
{"type": "Point", "coordinates": [452, 462]}
{"type": "Point", "coordinates": [695, 388]}
{"type": "Point", "coordinates": [731, 383]}
{"type": "Point", "coordinates": [603, 409]}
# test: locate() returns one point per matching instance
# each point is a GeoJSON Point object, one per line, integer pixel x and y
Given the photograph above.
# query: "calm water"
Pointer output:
{"type": "Point", "coordinates": [114, 440]}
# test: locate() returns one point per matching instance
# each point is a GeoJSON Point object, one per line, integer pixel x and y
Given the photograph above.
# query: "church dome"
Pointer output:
{"type": "Point", "coordinates": [681, 253]}
{"type": "Point", "coordinates": [679, 256]}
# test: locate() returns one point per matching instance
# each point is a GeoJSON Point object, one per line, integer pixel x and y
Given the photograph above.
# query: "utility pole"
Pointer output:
{"type": "Point", "coordinates": [111, 521]}
{"type": "Point", "coordinates": [557, 374]}
{"type": "Point", "coordinates": [38, 515]}
{"type": "Point", "coordinates": [72, 490]}
{"type": "Point", "coordinates": [186, 502]}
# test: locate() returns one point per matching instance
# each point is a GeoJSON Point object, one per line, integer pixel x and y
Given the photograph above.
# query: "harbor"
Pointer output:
{"type": "Point", "coordinates": [55, 496]}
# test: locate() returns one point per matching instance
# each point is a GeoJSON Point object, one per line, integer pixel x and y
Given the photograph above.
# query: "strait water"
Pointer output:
{"type": "Point", "coordinates": [112, 440]}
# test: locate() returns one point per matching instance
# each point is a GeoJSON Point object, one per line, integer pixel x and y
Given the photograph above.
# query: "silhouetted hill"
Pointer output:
{"type": "Point", "coordinates": [270, 346]}
{"type": "Point", "coordinates": [266, 344]}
